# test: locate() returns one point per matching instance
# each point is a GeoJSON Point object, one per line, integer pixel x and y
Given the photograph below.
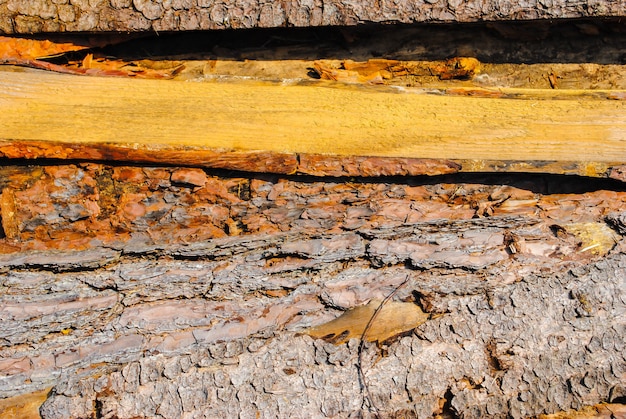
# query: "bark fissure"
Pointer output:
{"type": "Point", "coordinates": [523, 320]}
{"type": "Point", "coordinates": [23, 16]}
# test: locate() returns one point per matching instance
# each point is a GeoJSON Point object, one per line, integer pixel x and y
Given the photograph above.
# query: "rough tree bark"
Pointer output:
{"type": "Point", "coordinates": [172, 292]}
{"type": "Point", "coordinates": [130, 291]}
{"type": "Point", "coordinates": [30, 16]}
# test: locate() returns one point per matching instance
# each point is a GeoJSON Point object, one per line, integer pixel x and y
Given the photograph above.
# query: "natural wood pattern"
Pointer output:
{"type": "Point", "coordinates": [226, 122]}
{"type": "Point", "coordinates": [167, 291]}
{"type": "Point", "coordinates": [139, 291]}
{"type": "Point", "coordinates": [28, 16]}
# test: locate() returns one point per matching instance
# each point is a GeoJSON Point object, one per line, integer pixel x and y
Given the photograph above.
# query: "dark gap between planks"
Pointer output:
{"type": "Point", "coordinates": [542, 183]}
{"type": "Point", "coordinates": [597, 41]}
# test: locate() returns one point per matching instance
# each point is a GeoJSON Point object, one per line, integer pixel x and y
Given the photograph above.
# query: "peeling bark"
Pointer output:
{"type": "Point", "coordinates": [192, 294]}
{"type": "Point", "coordinates": [28, 16]}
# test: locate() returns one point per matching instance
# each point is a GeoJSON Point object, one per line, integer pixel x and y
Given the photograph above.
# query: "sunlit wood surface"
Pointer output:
{"type": "Point", "coordinates": [316, 118]}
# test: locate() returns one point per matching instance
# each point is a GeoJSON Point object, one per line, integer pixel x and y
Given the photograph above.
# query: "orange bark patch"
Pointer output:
{"type": "Point", "coordinates": [8, 213]}
{"type": "Point", "coordinates": [12, 49]}
{"type": "Point", "coordinates": [195, 177]}
{"type": "Point", "coordinates": [24, 406]}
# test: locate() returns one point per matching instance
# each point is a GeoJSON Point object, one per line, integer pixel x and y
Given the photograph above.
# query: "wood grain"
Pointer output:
{"type": "Point", "coordinates": [25, 406]}
{"type": "Point", "coordinates": [254, 118]}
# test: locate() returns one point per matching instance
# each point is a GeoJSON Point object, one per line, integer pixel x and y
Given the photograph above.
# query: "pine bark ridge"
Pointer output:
{"type": "Point", "coordinates": [27, 16]}
{"type": "Point", "coordinates": [538, 344]}
{"type": "Point", "coordinates": [528, 323]}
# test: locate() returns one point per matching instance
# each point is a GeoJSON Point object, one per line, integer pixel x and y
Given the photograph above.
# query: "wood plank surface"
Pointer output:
{"type": "Point", "coordinates": [553, 129]}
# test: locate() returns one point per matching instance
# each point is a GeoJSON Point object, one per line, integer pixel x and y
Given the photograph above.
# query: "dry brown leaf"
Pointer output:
{"type": "Point", "coordinates": [142, 69]}
{"type": "Point", "coordinates": [30, 52]}
{"type": "Point", "coordinates": [599, 411]}
{"type": "Point", "coordinates": [374, 71]}
{"type": "Point", "coordinates": [87, 61]}
{"type": "Point", "coordinates": [371, 67]}
{"type": "Point", "coordinates": [378, 70]}
{"type": "Point", "coordinates": [393, 319]}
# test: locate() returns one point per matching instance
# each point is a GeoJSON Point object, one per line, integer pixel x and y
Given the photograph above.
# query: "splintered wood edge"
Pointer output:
{"type": "Point", "coordinates": [24, 405]}
{"type": "Point", "coordinates": [298, 164]}
{"type": "Point", "coordinates": [320, 130]}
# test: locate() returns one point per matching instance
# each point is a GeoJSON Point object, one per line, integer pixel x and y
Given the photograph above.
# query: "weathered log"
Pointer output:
{"type": "Point", "coordinates": [193, 293]}
{"type": "Point", "coordinates": [130, 291]}
{"type": "Point", "coordinates": [28, 16]}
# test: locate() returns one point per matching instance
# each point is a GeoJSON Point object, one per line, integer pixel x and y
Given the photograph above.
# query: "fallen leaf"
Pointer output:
{"type": "Point", "coordinates": [374, 71]}
{"type": "Point", "coordinates": [598, 411]}
{"type": "Point", "coordinates": [145, 69]}
{"type": "Point", "coordinates": [373, 66]}
{"type": "Point", "coordinates": [86, 63]}
{"type": "Point", "coordinates": [31, 53]}
{"type": "Point", "coordinates": [378, 70]}
{"type": "Point", "coordinates": [393, 319]}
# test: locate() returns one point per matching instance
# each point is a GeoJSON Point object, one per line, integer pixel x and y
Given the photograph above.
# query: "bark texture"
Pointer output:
{"type": "Point", "coordinates": [31, 16]}
{"type": "Point", "coordinates": [189, 294]}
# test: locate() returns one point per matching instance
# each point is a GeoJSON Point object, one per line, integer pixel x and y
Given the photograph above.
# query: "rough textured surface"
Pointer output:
{"type": "Point", "coordinates": [513, 340]}
{"type": "Point", "coordinates": [30, 16]}
{"type": "Point", "coordinates": [83, 207]}
{"type": "Point", "coordinates": [192, 291]}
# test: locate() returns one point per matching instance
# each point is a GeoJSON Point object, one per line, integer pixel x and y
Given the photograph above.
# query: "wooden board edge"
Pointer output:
{"type": "Point", "coordinates": [296, 163]}
{"type": "Point", "coordinates": [24, 405]}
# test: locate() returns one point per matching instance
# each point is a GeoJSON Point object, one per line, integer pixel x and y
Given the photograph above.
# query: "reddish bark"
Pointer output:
{"type": "Point", "coordinates": [123, 285]}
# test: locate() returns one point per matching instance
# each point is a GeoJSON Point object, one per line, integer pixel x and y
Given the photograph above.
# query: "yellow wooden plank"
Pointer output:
{"type": "Point", "coordinates": [316, 119]}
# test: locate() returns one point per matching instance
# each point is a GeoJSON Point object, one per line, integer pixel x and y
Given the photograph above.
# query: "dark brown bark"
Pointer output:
{"type": "Point", "coordinates": [192, 294]}
{"type": "Point", "coordinates": [27, 16]}
{"type": "Point", "coordinates": [296, 163]}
